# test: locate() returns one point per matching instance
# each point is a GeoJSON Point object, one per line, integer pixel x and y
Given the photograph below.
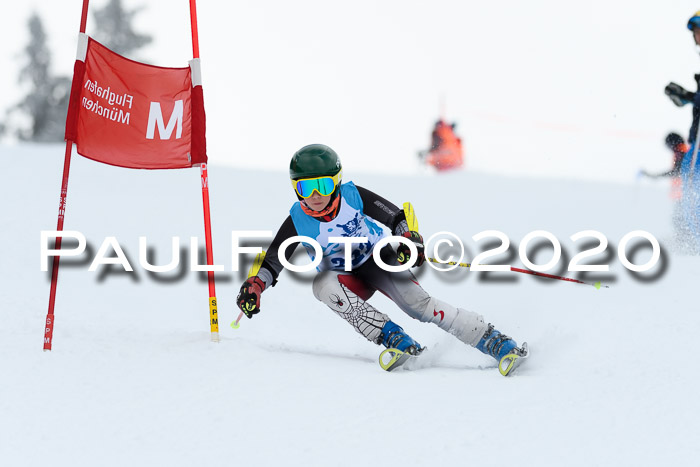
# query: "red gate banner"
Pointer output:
{"type": "Point", "coordinates": [135, 115]}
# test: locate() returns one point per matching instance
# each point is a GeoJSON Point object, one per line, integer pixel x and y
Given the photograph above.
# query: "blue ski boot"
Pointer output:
{"type": "Point", "coordinates": [503, 349]}
{"type": "Point", "coordinates": [399, 346]}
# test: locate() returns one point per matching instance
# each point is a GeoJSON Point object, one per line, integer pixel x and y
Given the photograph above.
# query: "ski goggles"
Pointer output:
{"type": "Point", "coordinates": [323, 185]}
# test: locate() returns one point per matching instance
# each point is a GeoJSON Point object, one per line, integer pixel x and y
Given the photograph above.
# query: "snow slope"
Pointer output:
{"type": "Point", "coordinates": [133, 378]}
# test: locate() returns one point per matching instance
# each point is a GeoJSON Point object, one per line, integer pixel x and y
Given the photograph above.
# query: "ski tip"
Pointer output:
{"type": "Point", "coordinates": [510, 362]}
{"type": "Point", "coordinates": [395, 358]}
{"type": "Point", "coordinates": [597, 285]}
{"type": "Point", "coordinates": [391, 358]}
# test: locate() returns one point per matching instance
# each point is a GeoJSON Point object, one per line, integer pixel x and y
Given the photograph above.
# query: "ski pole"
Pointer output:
{"type": "Point", "coordinates": [235, 324]}
{"type": "Point", "coordinates": [412, 222]}
{"type": "Point", "coordinates": [254, 269]}
{"type": "Point", "coordinates": [597, 285]}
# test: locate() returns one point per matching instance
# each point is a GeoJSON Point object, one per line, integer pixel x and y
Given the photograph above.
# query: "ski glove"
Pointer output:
{"type": "Point", "coordinates": [249, 297]}
{"type": "Point", "coordinates": [678, 95]}
{"type": "Point", "coordinates": [404, 254]}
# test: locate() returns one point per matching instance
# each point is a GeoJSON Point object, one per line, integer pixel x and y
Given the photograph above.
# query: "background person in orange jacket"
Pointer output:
{"type": "Point", "coordinates": [445, 149]}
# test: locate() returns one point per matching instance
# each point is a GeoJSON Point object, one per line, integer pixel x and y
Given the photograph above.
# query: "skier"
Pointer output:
{"type": "Point", "coordinates": [680, 148]}
{"type": "Point", "coordinates": [679, 95]}
{"type": "Point", "coordinates": [690, 201]}
{"type": "Point", "coordinates": [326, 208]}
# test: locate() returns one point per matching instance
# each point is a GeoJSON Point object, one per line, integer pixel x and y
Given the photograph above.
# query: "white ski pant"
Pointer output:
{"type": "Point", "coordinates": [347, 293]}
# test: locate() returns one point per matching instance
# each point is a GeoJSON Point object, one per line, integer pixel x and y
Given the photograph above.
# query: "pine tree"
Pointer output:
{"type": "Point", "coordinates": [113, 28]}
{"type": "Point", "coordinates": [46, 103]}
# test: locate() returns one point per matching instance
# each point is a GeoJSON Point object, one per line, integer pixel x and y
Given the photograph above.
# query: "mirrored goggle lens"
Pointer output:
{"type": "Point", "coordinates": [324, 186]}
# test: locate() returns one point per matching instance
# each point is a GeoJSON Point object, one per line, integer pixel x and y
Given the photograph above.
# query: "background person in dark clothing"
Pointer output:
{"type": "Point", "coordinates": [675, 143]}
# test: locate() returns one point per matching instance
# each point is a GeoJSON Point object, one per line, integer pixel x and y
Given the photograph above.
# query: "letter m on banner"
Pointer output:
{"type": "Point", "coordinates": [155, 116]}
{"type": "Point", "coordinates": [140, 116]}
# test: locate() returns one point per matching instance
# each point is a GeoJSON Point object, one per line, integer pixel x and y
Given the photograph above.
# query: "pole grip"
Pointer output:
{"type": "Point", "coordinates": [253, 271]}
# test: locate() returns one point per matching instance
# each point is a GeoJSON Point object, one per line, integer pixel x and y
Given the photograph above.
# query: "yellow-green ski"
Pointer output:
{"type": "Point", "coordinates": [513, 360]}
{"type": "Point", "coordinates": [396, 358]}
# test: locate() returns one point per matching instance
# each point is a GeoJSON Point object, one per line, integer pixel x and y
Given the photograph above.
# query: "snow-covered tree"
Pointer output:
{"type": "Point", "coordinates": [114, 29]}
{"type": "Point", "coordinates": [45, 105]}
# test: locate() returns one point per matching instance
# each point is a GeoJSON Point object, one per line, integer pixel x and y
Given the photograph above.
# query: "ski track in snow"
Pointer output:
{"type": "Point", "coordinates": [133, 378]}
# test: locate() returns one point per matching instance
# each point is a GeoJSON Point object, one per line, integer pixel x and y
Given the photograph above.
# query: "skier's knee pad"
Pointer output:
{"type": "Point", "coordinates": [329, 289]}
{"type": "Point", "coordinates": [325, 280]}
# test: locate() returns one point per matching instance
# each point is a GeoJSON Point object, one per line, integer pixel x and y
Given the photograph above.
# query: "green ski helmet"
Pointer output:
{"type": "Point", "coordinates": [313, 161]}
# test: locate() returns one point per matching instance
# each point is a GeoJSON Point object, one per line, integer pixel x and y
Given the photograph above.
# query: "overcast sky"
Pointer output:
{"type": "Point", "coordinates": [553, 87]}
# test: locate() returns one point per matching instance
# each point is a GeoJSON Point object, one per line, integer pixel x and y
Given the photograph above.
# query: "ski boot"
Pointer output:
{"type": "Point", "coordinates": [503, 349]}
{"type": "Point", "coordinates": [399, 346]}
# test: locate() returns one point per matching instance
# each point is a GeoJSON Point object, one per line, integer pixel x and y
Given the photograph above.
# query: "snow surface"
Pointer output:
{"type": "Point", "coordinates": [134, 380]}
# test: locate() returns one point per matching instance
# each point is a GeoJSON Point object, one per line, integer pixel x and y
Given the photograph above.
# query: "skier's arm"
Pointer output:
{"type": "Point", "coordinates": [271, 266]}
{"type": "Point", "coordinates": [248, 299]}
{"type": "Point", "coordinates": [670, 173]}
{"type": "Point", "coordinates": [383, 211]}
{"type": "Point", "coordinates": [659, 175]}
{"type": "Point", "coordinates": [674, 172]}
{"type": "Point", "coordinates": [678, 95]}
{"type": "Point", "coordinates": [390, 215]}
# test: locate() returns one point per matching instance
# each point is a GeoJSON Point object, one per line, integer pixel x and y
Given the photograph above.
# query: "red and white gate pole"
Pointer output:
{"type": "Point", "coordinates": [48, 330]}
{"type": "Point", "coordinates": [196, 81]}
